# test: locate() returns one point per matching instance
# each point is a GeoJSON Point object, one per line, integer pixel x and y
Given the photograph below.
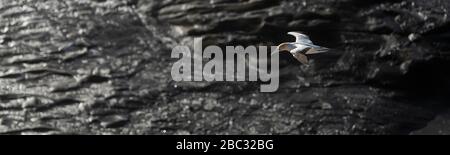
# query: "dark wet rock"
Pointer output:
{"type": "Point", "coordinates": [103, 67]}
{"type": "Point", "coordinates": [439, 125]}
{"type": "Point", "coordinates": [381, 50]}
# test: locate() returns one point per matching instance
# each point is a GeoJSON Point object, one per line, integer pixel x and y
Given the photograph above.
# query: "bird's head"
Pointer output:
{"type": "Point", "coordinates": [285, 47]}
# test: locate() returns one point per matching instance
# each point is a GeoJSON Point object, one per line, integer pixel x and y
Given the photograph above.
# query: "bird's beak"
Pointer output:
{"type": "Point", "coordinates": [277, 51]}
{"type": "Point", "coordinates": [278, 48]}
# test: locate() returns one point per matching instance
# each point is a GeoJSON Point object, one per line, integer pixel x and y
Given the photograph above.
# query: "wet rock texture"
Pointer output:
{"type": "Point", "coordinates": [103, 67]}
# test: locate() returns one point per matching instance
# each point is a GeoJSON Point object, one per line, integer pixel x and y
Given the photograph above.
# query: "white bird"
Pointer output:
{"type": "Point", "coordinates": [301, 47]}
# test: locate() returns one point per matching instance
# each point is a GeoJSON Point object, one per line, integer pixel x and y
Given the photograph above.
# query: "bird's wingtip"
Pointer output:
{"type": "Point", "coordinates": [295, 33]}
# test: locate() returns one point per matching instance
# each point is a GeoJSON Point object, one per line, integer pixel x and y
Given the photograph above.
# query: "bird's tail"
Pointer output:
{"type": "Point", "coordinates": [317, 50]}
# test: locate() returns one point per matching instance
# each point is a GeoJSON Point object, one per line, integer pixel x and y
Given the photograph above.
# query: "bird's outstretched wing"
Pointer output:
{"type": "Point", "coordinates": [301, 57]}
{"type": "Point", "coordinates": [301, 38]}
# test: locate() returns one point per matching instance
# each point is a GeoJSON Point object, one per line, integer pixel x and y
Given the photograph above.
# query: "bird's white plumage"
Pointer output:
{"type": "Point", "coordinates": [298, 49]}
{"type": "Point", "coordinates": [302, 46]}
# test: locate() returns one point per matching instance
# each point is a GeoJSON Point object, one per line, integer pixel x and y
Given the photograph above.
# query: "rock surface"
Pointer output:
{"type": "Point", "coordinates": [103, 67]}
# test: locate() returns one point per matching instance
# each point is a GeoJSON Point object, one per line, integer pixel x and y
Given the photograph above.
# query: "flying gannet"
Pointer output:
{"type": "Point", "coordinates": [301, 47]}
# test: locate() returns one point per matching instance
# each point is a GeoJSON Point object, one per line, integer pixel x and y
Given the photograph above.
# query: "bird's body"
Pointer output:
{"type": "Point", "coordinates": [301, 47]}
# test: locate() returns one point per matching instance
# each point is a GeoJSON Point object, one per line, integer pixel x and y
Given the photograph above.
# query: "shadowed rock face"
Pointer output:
{"type": "Point", "coordinates": [103, 67]}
